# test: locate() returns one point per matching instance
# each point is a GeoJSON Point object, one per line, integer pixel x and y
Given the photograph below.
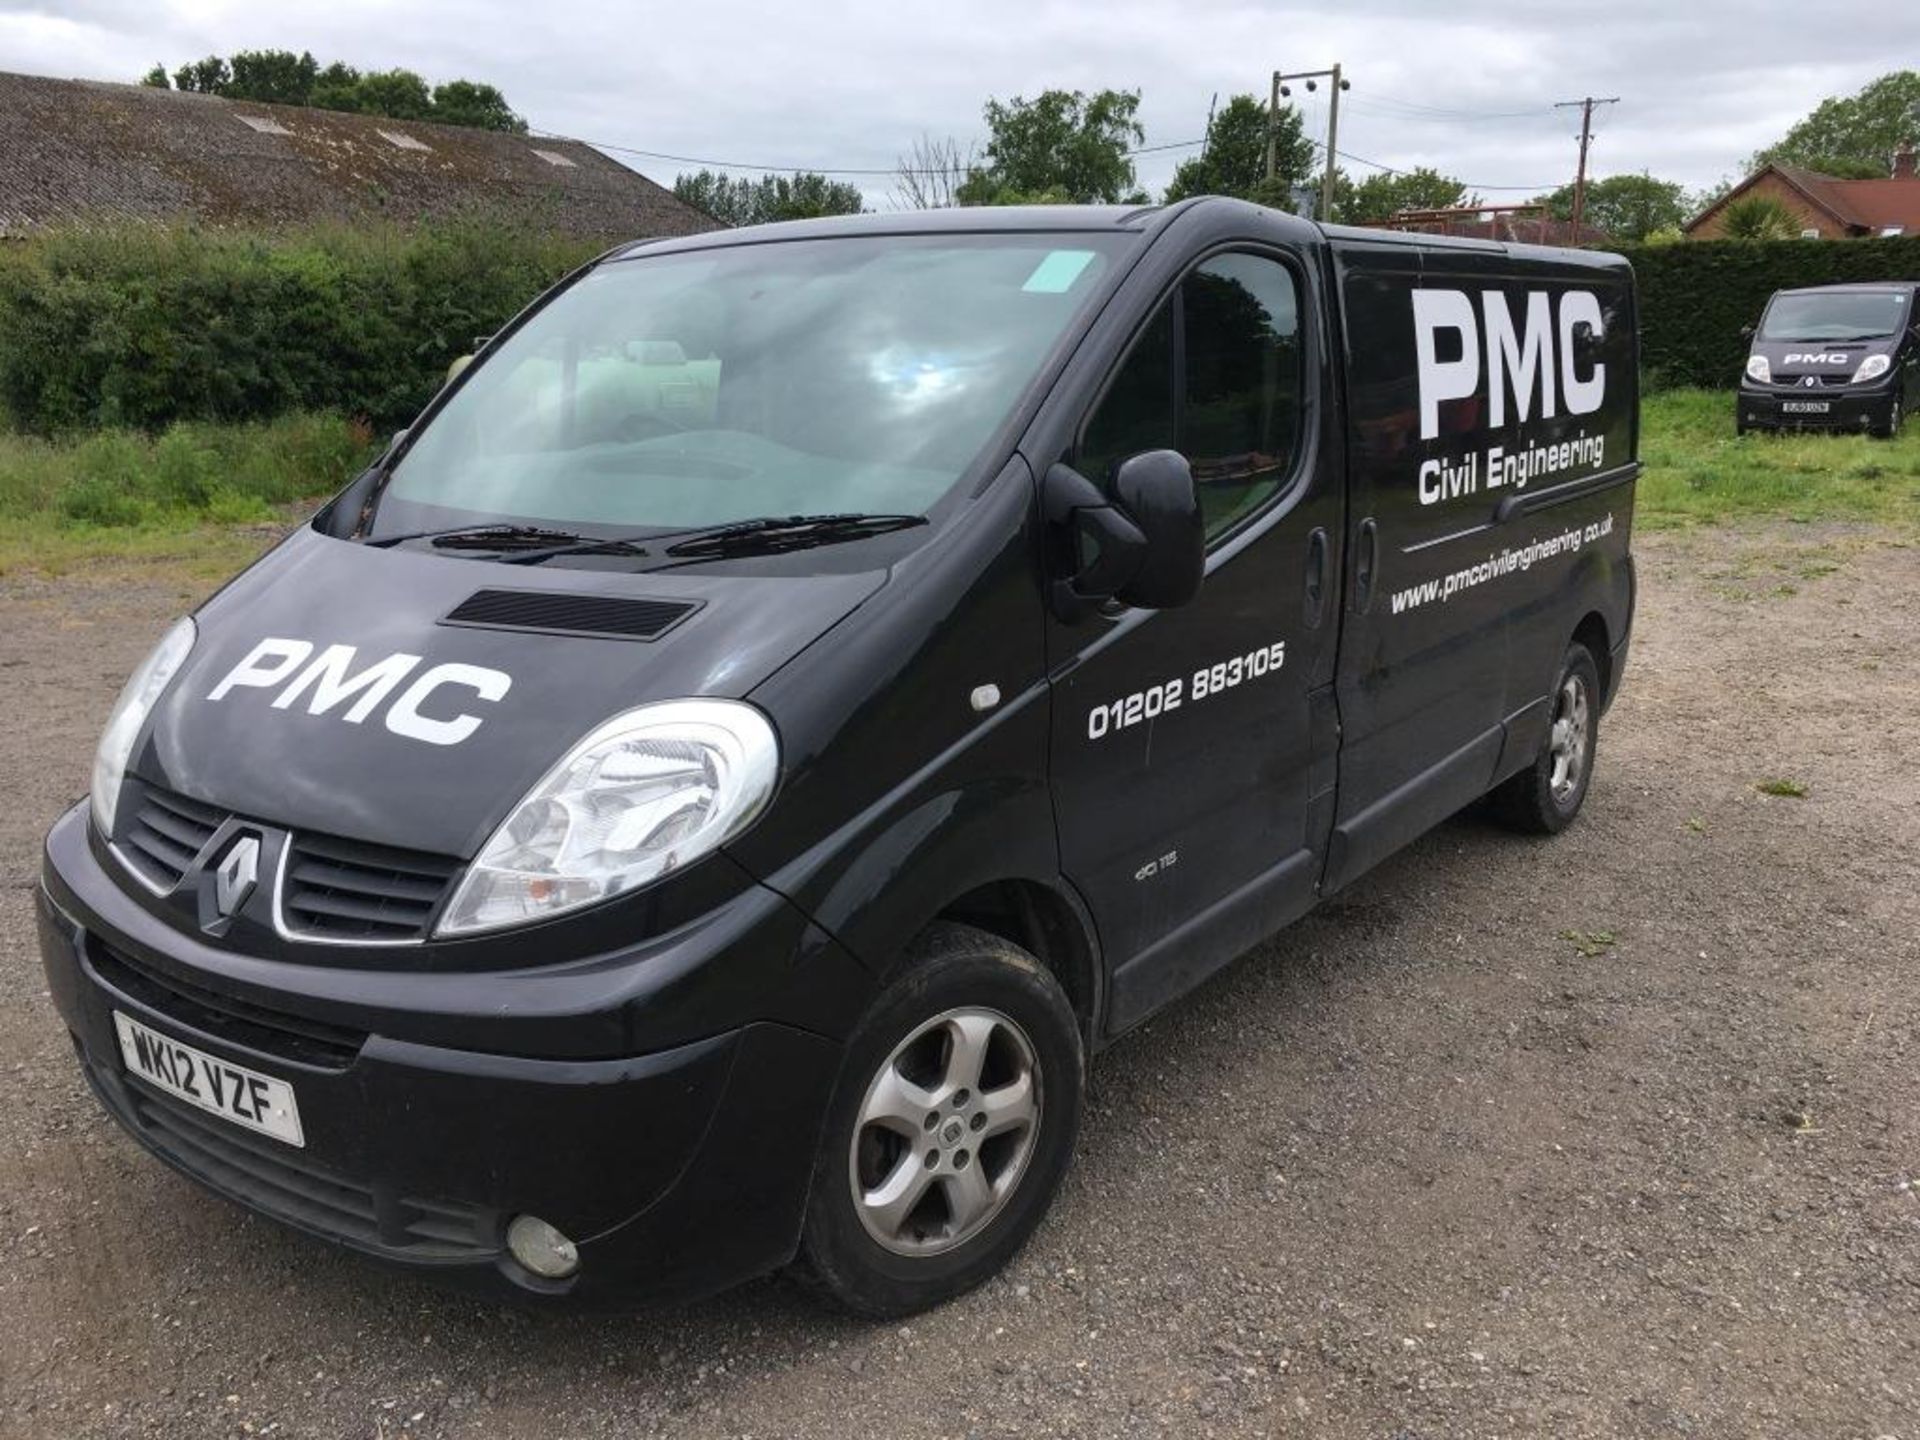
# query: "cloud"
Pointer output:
{"type": "Point", "coordinates": [1468, 89]}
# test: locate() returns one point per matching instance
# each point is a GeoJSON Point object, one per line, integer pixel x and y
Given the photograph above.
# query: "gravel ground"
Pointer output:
{"type": "Point", "coordinates": [1613, 1135]}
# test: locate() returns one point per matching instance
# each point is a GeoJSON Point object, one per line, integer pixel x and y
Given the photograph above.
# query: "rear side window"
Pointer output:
{"type": "Point", "coordinates": [1217, 376]}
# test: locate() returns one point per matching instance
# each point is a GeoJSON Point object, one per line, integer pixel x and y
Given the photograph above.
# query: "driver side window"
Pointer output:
{"type": "Point", "coordinates": [1216, 375]}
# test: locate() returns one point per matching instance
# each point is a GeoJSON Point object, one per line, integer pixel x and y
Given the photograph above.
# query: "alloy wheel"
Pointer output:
{"type": "Point", "coordinates": [1567, 743]}
{"type": "Point", "coordinates": [945, 1131]}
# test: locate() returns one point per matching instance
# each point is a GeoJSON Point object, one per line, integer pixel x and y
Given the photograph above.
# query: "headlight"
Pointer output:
{"type": "Point", "coordinates": [646, 793]}
{"type": "Point", "coordinates": [1759, 369]}
{"type": "Point", "coordinates": [1871, 368]}
{"type": "Point", "coordinates": [130, 713]}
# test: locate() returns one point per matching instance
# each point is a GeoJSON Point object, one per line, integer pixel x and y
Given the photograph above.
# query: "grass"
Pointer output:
{"type": "Point", "coordinates": [1791, 789]}
{"type": "Point", "coordinates": [1700, 472]}
{"type": "Point", "coordinates": [198, 494]}
{"type": "Point", "coordinates": [193, 492]}
{"type": "Point", "coordinates": [1590, 943]}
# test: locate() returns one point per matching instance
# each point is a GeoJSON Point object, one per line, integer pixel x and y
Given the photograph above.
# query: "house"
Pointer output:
{"type": "Point", "coordinates": [84, 152]}
{"type": "Point", "coordinates": [1827, 207]}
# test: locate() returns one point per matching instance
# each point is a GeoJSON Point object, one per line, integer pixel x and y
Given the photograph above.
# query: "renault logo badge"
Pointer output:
{"type": "Point", "coordinates": [235, 878]}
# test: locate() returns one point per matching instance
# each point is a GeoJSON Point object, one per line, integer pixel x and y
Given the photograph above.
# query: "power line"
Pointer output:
{"type": "Point", "coordinates": [713, 164]}
{"type": "Point", "coordinates": [1380, 105]}
{"type": "Point", "coordinates": [1393, 170]}
{"type": "Point", "coordinates": [819, 169]}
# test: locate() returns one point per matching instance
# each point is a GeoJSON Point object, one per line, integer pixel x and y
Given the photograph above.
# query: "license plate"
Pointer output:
{"type": "Point", "coordinates": [1806, 407]}
{"type": "Point", "coordinates": [233, 1092]}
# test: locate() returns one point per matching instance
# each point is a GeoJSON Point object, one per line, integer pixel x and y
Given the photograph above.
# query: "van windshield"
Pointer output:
{"type": "Point", "coordinates": [843, 376]}
{"type": "Point", "coordinates": [1837, 315]}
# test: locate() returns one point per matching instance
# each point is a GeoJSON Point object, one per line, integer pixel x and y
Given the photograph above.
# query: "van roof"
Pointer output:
{"type": "Point", "coordinates": [1123, 219]}
{"type": "Point", "coordinates": [970, 220]}
{"type": "Point", "coordinates": [1854, 285]}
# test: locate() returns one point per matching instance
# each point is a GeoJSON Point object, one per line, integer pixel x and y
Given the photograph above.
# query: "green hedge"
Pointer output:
{"type": "Point", "coordinates": [142, 327]}
{"type": "Point", "coordinates": [1696, 295]}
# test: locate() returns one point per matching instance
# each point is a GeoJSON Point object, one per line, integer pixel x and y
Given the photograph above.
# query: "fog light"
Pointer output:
{"type": "Point", "coordinates": [541, 1248]}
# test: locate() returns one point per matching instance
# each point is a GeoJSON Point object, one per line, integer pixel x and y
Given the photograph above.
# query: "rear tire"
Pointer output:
{"type": "Point", "coordinates": [950, 1128]}
{"type": "Point", "coordinates": [1544, 798]}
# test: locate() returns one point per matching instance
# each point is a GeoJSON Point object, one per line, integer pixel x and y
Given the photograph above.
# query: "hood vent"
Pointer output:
{"type": "Point", "coordinates": [549, 612]}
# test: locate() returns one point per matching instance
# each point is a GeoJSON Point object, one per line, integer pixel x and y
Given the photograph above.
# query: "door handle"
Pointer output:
{"type": "Point", "coordinates": [1366, 563]}
{"type": "Point", "coordinates": [1316, 597]}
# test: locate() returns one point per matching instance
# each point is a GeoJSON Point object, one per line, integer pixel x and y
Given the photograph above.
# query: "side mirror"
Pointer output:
{"type": "Point", "coordinates": [1156, 490]}
{"type": "Point", "coordinates": [1144, 546]}
{"type": "Point", "coordinates": [1746, 332]}
{"type": "Point", "coordinates": [460, 362]}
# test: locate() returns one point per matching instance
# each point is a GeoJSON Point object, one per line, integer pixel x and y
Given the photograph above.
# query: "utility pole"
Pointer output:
{"type": "Point", "coordinates": [1312, 77]}
{"type": "Point", "coordinates": [1586, 137]}
{"type": "Point", "coordinates": [1333, 139]}
{"type": "Point", "coordinates": [1273, 126]}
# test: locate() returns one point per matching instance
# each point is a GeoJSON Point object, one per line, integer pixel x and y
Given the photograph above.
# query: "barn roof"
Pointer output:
{"type": "Point", "coordinates": [83, 151]}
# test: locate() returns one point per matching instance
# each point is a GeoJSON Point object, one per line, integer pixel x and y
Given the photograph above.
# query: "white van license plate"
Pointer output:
{"type": "Point", "coordinates": [233, 1092]}
{"type": "Point", "coordinates": [1806, 407]}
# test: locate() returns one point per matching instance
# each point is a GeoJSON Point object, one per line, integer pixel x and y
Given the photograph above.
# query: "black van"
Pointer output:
{"type": "Point", "coordinates": [1833, 357]}
{"type": "Point", "coordinates": [697, 801]}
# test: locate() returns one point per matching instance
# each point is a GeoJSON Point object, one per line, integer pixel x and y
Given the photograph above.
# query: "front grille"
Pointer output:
{"type": "Point", "coordinates": [283, 1182]}
{"type": "Point", "coordinates": [344, 890]}
{"type": "Point", "coordinates": [226, 1017]}
{"type": "Point", "coordinates": [166, 833]}
{"type": "Point", "coordinates": [605, 617]}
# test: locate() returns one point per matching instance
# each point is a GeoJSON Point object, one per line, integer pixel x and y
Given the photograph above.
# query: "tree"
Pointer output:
{"type": "Point", "coordinates": [1234, 161]}
{"type": "Point", "coordinates": [1380, 196]}
{"type": "Point", "coordinates": [157, 78]}
{"type": "Point", "coordinates": [399, 94]}
{"type": "Point", "coordinates": [280, 77]}
{"type": "Point", "coordinates": [205, 77]}
{"type": "Point", "coordinates": [481, 107]}
{"type": "Point", "coordinates": [929, 175]}
{"type": "Point", "coordinates": [273, 77]}
{"type": "Point", "coordinates": [806, 196]}
{"type": "Point", "coordinates": [1626, 207]}
{"type": "Point", "coordinates": [337, 88]}
{"type": "Point", "coordinates": [738, 200]}
{"type": "Point", "coordinates": [1758, 217]}
{"type": "Point", "coordinates": [1062, 146]}
{"type": "Point", "coordinates": [1854, 134]}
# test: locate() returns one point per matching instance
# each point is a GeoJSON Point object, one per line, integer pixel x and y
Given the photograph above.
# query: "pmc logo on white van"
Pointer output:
{"type": "Point", "coordinates": [1532, 365]}
{"type": "Point", "coordinates": [330, 681]}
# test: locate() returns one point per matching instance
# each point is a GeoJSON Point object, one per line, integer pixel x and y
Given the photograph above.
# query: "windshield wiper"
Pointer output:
{"type": "Point", "coordinates": [479, 537]}
{"type": "Point", "coordinates": [772, 534]}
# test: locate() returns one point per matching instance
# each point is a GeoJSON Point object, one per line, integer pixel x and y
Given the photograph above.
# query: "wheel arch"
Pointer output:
{"type": "Point", "coordinates": [1592, 632]}
{"type": "Point", "coordinates": [1048, 921]}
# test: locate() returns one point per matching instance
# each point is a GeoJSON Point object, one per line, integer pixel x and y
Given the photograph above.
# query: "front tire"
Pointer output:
{"type": "Point", "coordinates": [1544, 798]}
{"type": "Point", "coordinates": [1895, 415]}
{"type": "Point", "coordinates": [950, 1128]}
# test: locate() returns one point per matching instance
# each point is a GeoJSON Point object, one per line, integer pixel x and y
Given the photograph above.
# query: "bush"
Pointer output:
{"type": "Point", "coordinates": [144, 326]}
{"type": "Point", "coordinates": [1695, 297]}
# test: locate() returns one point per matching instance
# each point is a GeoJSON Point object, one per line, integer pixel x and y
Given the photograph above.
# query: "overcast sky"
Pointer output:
{"type": "Point", "coordinates": [1466, 86]}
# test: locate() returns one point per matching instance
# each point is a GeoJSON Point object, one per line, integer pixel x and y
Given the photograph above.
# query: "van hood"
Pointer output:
{"type": "Point", "coordinates": [328, 692]}
{"type": "Point", "coordinates": [1831, 361]}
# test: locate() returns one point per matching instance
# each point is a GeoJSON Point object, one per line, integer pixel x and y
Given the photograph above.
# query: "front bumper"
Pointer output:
{"type": "Point", "coordinates": [677, 1172]}
{"type": "Point", "coordinates": [1852, 408]}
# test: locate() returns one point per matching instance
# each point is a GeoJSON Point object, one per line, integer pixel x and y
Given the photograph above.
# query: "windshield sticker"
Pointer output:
{"type": "Point", "coordinates": [1055, 274]}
